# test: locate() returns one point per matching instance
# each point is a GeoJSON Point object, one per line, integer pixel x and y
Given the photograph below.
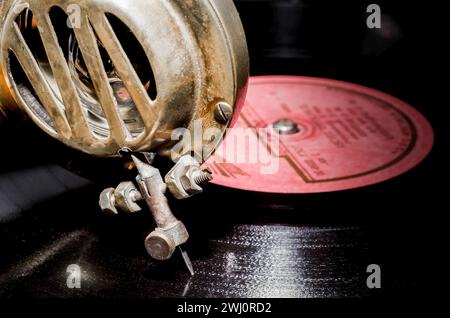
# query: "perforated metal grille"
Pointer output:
{"type": "Point", "coordinates": [123, 73]}
{"type": "Point", "coordinates": [76, 78]}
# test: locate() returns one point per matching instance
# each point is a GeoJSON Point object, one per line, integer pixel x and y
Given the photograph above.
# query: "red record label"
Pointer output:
{"type": "Point", "coordinates": [310, 135]}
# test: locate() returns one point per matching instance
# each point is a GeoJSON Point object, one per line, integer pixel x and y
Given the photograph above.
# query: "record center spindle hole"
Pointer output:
{"type": "Point", "coordinates": [286, 127]}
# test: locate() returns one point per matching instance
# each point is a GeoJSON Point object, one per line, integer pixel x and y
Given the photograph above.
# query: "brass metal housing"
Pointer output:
{"type": "Point", "coordinates": [196, 50]}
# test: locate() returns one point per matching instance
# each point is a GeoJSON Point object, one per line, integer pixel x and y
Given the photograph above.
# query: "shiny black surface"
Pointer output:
{"type": "Point", "coordinates": [236, 252]}
{"type": "Point", "coordinates": [249, 261]}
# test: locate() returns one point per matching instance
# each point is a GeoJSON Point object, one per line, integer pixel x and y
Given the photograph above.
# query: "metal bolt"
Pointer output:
{"type": "Point", "coordinates": [162, 242]}
{"type": "Point", "coordinates": [124, 198]}
{"type": "Point", "coordinates": [136, 196]}
{"type": "Point", "coordinates": [185, 178]}
{"type": "Point", "coordinates": [193, 178]}
{"type": "Point", "coordinates": [127, 196]}
{"type": "Point", "coordinates": [203, 176]}
{"type": "Point", "coordinates": [159, 246]}
{"type": "Point", "coordinates": [107, 201]}
{"type": "Point", "coordinates": [223, 113]}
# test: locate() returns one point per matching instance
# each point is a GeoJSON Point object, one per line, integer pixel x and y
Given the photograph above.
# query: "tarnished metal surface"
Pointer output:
{"type": "Point", "coordinates": [196, 49]}
{"type": "Point", "coordinates": [107, 201]}
{"type": "Point", "coordinates": [127, 195]}
{"type": "Point", "coordinates": [170, 232]}
{"type": "Point", "coordinates": [186, 177]}
{"type": "Point", "coordinates": [124, 197]}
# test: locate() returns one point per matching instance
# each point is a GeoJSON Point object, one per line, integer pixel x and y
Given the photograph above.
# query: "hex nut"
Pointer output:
{"type": "Point", "coordinates": [162, 242]}
{"type": "Point", "coordinates": [107, 201]}
{"type": "Point", "coordinates": [188, 181]}
{"type": "Point", "coordinates": [159, 245]}
{"type": "Point", "coordinates": [126, 195]}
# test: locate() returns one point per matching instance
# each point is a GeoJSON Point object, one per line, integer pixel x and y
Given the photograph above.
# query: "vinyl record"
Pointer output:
{"type": "Point", "coordinates": [311, 135]}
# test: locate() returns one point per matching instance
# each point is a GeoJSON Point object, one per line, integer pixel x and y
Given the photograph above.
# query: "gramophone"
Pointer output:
{"type": "Point", "coordinates": [130, 79]}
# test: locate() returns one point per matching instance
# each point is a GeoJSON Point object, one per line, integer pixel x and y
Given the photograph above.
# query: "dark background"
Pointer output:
{"type": "Point", "coordinates": [246, 244]}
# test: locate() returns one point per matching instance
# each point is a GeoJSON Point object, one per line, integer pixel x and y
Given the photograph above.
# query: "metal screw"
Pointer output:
{"type": "Point", "coordinates": [124, 198]}
{"type": "Point", "coordinates": [159, 246]}
{"type": "Point", "coordinates": [162, 242]}
{"type": "Point", "coordinates": [223, 113]}
{"type": "Point", "coordinates": [135, 196]}
{"type": "Point", "coordinates": [203, 176]}
{"type": "Point", "coordinates": [107, 201]}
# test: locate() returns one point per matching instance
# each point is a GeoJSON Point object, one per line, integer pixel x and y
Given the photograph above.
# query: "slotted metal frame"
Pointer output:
{"type": "Point", "coordinates": [197, 51]}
